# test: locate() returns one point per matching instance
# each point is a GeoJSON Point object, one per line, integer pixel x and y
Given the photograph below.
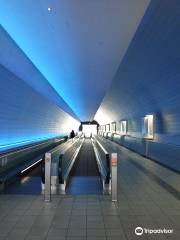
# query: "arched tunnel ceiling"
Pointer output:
{"type": "Point", "coordinates": [77, 45]}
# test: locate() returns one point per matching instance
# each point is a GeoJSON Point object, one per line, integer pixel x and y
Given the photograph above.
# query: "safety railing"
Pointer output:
{"type": "Point", "coordinates": [68, 160]}
{"type": "Point", "coordinates": [103, 161]}
{"type": "Point", "coordinates": [57, 165]}
{"type": "Point", "coordinates": [107, 163]}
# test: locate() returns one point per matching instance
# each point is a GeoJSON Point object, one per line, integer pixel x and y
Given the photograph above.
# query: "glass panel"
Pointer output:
{"type": "Point", "coordinates": [123, 127]}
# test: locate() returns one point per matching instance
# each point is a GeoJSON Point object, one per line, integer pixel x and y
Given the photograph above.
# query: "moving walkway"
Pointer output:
{"type": "Point", "coordinates": [86, 160]}
{"type": "Point", "coordinates": [78, 166]}
{"type": "Point", "coordinates": [84, 177]}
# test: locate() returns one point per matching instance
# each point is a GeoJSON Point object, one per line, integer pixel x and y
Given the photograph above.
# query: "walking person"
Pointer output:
{"type": "Point", "coordinates": [72, 135]}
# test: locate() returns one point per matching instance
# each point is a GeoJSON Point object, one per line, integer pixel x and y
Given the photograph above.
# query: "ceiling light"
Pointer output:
{"type": "Point", "coordinates": [49, 9]}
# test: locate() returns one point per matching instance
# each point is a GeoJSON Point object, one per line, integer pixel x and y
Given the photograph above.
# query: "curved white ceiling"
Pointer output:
{"type": "Point", "coordinates": [77, 46]}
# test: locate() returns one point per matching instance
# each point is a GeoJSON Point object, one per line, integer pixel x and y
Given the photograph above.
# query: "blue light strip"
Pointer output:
{"type": "Point", "coordinates": [12, 145]}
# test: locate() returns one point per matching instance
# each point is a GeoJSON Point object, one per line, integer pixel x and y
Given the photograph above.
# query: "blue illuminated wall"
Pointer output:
{"type": "Point", "coordinates": [26, 115]}
{"type": "Point", "coordinates": [30, 109]}
{"type": "Point", "coordinates": [14, 59]}
{"type": "Point", "coordinates": [148, 81]}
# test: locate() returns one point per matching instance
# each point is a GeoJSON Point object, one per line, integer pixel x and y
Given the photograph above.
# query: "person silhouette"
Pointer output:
{"type": "Point", "coordinates": [72, 135]}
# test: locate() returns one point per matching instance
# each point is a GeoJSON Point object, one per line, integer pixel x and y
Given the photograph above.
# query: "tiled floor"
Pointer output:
{"type": "Point", "coordinates": [142, 202]}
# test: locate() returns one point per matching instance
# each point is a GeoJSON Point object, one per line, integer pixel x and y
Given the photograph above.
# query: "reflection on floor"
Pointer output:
{"type": "Point", "coordinates": [84, 185]}
{"type": "Point", "coordinates": [28, 183]}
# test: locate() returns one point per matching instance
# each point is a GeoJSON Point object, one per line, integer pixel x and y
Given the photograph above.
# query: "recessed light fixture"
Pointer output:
{"type": "Point", "coordinates": [49, 9]}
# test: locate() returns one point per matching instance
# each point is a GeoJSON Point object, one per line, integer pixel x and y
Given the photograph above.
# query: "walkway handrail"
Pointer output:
{"type": "Point", "coordinates": [65, 146]}
{"type": "Point", "coordinates": [59, 151]}
{"type": "Point", "coordinates": [72, 161]}
{"type": "Point", "coordinates": [56, 155]}
{"type": "Point", "coordinates": [101, 146]}
{"type": "Point", "coordinates": [103, 168]}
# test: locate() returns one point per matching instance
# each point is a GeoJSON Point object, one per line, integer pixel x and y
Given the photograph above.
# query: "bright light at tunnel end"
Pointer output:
{"type": "Point", "coordinates": [102, 116]}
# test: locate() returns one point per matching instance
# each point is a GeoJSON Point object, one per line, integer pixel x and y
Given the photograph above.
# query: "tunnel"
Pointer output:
{"type": "Point", "coordinates": [90, 119]}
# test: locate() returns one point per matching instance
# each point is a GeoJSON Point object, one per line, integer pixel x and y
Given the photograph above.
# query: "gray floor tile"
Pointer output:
{"type": "Point", "coordinates": [77, 224]}
{"type": "Point", "coordinates": [35, 238]}
{"type": "Point", "coordinates": [53, 232]}
{"type": "Point", "coordinates": [76, 232]}
{"type": "Point", "coordinates": [94, 224]}
{"type": "Point", "coordinates": [96, 232]}
{"type": "Point", "coordinates": [38, 231]}
{"type": "Point", "coordinates": [96, 238]}
{"type": "Point", "coordinates": [76, 238]}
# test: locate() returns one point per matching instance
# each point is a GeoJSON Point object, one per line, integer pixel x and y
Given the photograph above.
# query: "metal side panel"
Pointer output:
{"type": "Point", "coordinates": [106, 187]}
{"type": "Point", "coordinates": [66, 176]}
{"type": "Point", "coordinates": [47, 190]}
